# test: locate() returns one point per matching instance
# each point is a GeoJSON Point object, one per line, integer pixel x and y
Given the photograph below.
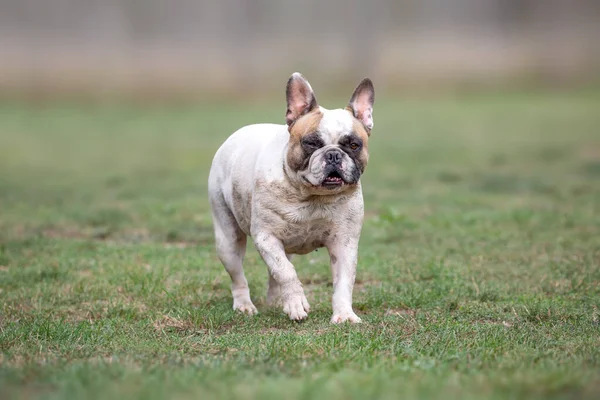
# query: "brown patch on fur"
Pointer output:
{"type": "Point", "coordinates": [305, 125]}
{"type": "Point", "coordinates": [363, 134]}
{"type": "Point", "coordinates": [361, 131]}
{"type": "Point", "coordinates": [359, 127]}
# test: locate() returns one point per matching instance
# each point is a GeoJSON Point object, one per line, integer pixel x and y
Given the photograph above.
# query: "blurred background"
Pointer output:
{"type": "Point", "coordinates": [232, 48]}
{"type": "Point", "coordinates": [111, 110]}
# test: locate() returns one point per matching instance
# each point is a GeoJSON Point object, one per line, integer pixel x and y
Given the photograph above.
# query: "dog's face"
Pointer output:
{"type": "Point", "coordinates": [328, 149]}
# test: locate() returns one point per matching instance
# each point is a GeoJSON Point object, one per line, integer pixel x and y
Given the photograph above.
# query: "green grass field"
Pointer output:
{"type": "Point", "coordinates": [478, 277]}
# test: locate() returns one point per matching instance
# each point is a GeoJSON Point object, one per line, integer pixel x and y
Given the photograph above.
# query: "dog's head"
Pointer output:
{"type": "Point", "coordinates": [327, 150]}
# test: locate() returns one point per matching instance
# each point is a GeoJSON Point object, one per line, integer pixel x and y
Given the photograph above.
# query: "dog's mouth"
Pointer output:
{"type": "Point", "coordinates": [334, 179]}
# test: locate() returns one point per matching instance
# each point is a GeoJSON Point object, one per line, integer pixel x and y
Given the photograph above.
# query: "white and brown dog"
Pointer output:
{"type": "Point", "coordinates": [294, 189]}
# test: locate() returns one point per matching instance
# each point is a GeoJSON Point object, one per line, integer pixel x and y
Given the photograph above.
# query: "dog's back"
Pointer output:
{"type": "Point", "coordinates": [234, 167]}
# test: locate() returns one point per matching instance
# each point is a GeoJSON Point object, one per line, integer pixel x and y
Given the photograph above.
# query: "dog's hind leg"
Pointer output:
{"type": "Point", "coordinates": [230, 242]}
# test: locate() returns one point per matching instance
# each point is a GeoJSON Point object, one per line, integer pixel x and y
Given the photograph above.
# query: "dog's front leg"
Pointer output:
{"type": "Point", "coordinates": [343, 253]}
{"type": "Point", "coordinates": [283, 272]}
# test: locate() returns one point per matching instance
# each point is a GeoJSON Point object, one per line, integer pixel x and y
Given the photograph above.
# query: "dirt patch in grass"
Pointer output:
{"type": "Point", "coordinates": [506, 324]}
{"type": "Point", "coordinates": [56, 233]}
{"type": "Point", "coordinates": [171, 323]}
{"type": "Point", "coordinates": [400, 312]}
{"type": "Point", "coordinates": [116, 237]}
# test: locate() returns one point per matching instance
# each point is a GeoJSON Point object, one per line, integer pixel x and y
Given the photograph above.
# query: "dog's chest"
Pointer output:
{"type": "Point", "coordinates": [305, 228]}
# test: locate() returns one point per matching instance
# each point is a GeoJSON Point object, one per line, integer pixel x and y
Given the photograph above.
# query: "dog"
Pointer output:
{"type": "Point", "coordinates": [294, 188]}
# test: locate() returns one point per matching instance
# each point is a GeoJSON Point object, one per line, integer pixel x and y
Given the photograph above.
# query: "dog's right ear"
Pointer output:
{"type": "Point", "coordinates": [300, 98]}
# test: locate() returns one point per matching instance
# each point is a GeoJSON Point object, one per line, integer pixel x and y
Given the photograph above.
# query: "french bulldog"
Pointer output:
{"type": "Point", "coordinates": [294, 188]}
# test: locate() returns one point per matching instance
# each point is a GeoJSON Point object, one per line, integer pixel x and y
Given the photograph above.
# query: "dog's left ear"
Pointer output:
{"type": "Point", "coordinates": [361, 103]}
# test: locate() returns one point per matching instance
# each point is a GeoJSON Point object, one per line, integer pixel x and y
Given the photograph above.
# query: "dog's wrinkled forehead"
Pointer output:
{"type": "Point", "coordinates": [330, 125]}
{"type": "Point", "coordinates": [335, 124]}
{"type": "Point", "coordinates": [338, 123]}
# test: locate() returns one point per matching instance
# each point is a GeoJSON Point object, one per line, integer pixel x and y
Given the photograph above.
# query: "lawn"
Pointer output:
{"type": "Point", "coordinates": [478, 276]}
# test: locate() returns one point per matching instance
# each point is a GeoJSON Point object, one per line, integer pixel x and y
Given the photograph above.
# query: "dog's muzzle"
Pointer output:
{"type": "Point", "coordinates": [333, 163]}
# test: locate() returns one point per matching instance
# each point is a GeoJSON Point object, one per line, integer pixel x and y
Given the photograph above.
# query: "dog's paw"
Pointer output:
{"type": "Point", "coordinates": [245, 306]}
{"type": "Point", "coordinates": [296, 306]}
{"type": "Point", "coordinates": [347, 316]}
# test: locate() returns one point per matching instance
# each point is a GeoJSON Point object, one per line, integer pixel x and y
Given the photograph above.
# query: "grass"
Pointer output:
{"type": "Point", "coordinates": [479, 268]}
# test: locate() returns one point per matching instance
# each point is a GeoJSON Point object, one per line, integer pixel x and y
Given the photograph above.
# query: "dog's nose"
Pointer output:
{"type": "Point", "coordinates": [333, 156]}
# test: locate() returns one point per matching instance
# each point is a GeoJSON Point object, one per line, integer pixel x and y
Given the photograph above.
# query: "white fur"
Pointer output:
{"type": "Point", "coordinates": [253, 194]}
{"type": "Point", "coordinates": [335, 123]}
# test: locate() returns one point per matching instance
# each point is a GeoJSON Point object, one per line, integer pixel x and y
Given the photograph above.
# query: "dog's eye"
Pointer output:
{"type": "Point", "coordinates": [354, 145]}
{"type": "Point", "coordinates": [312, 142]}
